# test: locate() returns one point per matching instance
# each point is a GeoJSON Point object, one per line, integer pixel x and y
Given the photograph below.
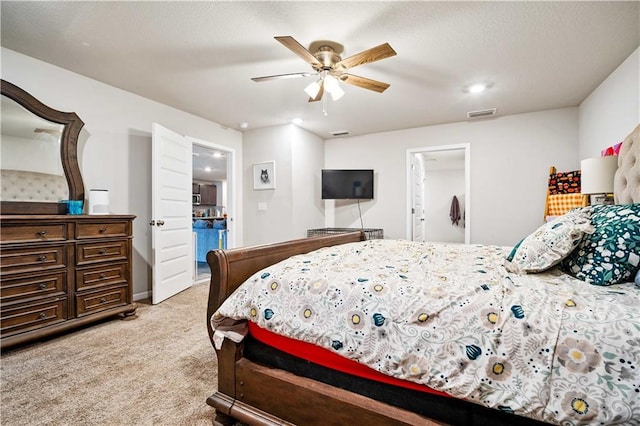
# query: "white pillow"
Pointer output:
{"type": "Point", "coordinates": [550, 243]}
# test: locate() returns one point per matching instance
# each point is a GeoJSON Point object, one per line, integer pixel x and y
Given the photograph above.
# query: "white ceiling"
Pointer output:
{"type": "Point", "coordinates": [199, 56]}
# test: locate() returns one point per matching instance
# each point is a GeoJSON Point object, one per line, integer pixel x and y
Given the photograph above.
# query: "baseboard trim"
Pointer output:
{"type": "Point", "coordinates": [141, 296]}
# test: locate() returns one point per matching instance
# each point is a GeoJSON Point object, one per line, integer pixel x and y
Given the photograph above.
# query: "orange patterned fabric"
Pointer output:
{"type": "Point", "coordinates": [559, 204]}
{"type": "Point", "coordinates": [564, 182]}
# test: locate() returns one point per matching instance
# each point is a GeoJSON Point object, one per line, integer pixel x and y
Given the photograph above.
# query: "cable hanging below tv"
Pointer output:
{"type": "Point", "coordinates": [347, 184]}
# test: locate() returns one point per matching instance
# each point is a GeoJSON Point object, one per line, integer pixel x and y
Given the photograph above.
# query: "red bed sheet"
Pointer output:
{"type": "Point", "coordinates": [328, 359]}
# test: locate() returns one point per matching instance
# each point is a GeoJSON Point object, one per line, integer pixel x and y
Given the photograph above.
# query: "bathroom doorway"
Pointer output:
{"type": "Point", "coordinates": [438, 194]}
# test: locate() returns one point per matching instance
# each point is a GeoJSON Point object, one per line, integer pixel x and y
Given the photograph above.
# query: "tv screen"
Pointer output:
{"type": "Point", "coordinates": [347, 184]}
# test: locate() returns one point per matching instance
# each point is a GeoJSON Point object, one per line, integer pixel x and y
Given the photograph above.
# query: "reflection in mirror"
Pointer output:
{"type": "Point", "coordinates": [38, 155]}
{"type": "Point", "coordinates": [30, 156]}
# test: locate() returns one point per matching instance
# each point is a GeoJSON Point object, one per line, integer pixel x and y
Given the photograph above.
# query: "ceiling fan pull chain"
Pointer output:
{"type": "Point", "coordinates": [325, 110]}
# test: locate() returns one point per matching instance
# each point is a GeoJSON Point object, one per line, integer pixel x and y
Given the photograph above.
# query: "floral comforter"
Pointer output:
{"type": "Point", "coordinates": [545, 346]}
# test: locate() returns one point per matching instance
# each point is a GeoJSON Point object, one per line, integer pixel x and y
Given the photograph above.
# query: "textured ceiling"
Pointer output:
{"type": "Point", "coordinates": [199, 56]}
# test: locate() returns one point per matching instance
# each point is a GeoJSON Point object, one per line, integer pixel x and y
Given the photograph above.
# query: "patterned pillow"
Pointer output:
{"type": "Point", "coordinates": [611, 254]}
{"type": "Point", "coordinates": [550, 243]}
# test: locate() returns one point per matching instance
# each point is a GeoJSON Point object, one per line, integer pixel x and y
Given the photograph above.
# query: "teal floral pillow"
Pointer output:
{"type": "Point", "coordinates": [550, 243]}
{"type": "Point", "coordinates": [611, 254]}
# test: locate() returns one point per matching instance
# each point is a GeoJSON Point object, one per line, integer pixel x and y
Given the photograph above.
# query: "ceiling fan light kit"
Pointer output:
{"type": "Point", "coordinates": [313, 89]}
{"type": "Point", "coordinates": [332, 69]}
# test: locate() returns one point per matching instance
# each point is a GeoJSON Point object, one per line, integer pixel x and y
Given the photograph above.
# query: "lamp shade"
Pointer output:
{"type": "Point", "coordinates": [597, 174]}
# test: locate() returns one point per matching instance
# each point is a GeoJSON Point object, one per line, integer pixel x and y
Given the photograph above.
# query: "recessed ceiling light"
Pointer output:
{"type": "Point", "coordinates": [477, 88]}
{"type": "Point", "coordinates": [297, 120]}
{"type": "Point", "coordinates": [207, 169]}
{"type": "Point", "coordinates": [217, 155]}
{"type": "Point", "coordinates": [244, 125]}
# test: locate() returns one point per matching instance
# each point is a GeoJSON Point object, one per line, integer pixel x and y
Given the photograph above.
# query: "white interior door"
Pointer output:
{"type": "Point", "coordinates": [417, 168]}
{"type": "Point", "coordinates": [171, 213]}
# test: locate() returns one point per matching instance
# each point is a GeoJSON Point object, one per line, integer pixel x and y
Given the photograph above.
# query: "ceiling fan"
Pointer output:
{"type": "Point", "coordinates": [327, 63]}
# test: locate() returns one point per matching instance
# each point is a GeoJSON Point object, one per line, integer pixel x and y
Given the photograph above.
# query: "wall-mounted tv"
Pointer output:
{"type": "Point", "coordinates": [347, 184]}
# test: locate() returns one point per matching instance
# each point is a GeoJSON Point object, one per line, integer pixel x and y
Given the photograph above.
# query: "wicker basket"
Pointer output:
{"type": "Point", "coordinates": [370, 233]}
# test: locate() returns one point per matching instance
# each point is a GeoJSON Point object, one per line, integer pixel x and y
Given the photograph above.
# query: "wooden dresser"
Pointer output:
{"type": "Point", "coordinates": [59, 272]}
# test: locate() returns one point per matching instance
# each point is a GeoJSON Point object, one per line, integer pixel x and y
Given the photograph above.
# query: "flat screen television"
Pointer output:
{"type": "Point", "coordinates": [347, 184]}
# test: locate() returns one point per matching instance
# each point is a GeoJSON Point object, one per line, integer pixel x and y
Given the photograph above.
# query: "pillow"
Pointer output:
{"type": "Point", "coordinates": [550, 243]}
{"type": "Point", "coordinates": [565, 182]}
{"type": "Point", "coordinates": [610, 254]}
{"type": "Point", "coordinates": [559, 204]}
{"type": "Point", "coordinates": [637, 280]}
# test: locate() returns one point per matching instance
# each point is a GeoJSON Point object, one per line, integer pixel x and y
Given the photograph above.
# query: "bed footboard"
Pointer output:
{"type": "Point", "coordinates": [229, 269]}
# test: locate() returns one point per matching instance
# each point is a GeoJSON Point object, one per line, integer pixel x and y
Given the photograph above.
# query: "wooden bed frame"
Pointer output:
{"type": "Point", "coordinates": [261, 395]}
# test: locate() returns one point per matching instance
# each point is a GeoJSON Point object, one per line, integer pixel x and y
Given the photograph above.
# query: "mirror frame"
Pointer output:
{"type": "Point", "coordinates": [68, 152]}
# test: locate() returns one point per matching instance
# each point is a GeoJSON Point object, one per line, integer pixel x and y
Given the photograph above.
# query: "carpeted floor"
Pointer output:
{"type": "Point", "coordinates": [156, 369]}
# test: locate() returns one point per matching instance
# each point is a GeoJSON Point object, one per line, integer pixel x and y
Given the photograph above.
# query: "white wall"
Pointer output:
{"type": "Point", "coordinates": [292, 207]}
{"type": "Point", "coordinates": [612, 110]}
{"type": "Point", "coordinates": [115, 143]}
{"type": "Point", "coordinates": [308, 160]}
{"type": "Point", "coordinates": [16, 153]}
{"type": "Point", "coordinates": [440, 187]}
{"type": "Point", "coordinates": [510, 159]}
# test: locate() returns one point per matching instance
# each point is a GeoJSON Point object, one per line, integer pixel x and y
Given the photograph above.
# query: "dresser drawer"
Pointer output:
{"type": "Point", "coordinates": [23, 233]}
{"type": "Point", "coordinates": [32, 286]}
{"type": "Point", "coordinates": [103, 251]}
{"type": "Point", "coordinates": [103, 230]}
{"type": "Point", "coordinates": [32, 259]}
{"type": "Point", "coordinates": [95, 301]}
{"type": "Point", "coordinates": [32, 316]}
{"type": "Point", "coordinates": [101, 276]}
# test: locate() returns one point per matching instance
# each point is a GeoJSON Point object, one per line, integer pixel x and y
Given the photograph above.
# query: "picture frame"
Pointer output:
{"type": "Point", "coordinates": [264, 175]}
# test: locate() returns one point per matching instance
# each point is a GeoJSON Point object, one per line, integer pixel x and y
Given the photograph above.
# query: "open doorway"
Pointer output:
{"type": "Point", "coordinates": [438, 194]}
{"type": "Point", "coordinates": [213, 203]}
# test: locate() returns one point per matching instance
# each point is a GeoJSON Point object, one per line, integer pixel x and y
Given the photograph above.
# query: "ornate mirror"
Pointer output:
{"type": "Point", "coordinates": [38, 155]}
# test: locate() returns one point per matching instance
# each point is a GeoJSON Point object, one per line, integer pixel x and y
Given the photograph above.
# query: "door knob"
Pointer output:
{"type": "Point", "coordinates": [160, 222]}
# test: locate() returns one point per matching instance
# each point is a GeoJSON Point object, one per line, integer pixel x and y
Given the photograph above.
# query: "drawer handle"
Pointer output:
{"type": "Point", "coordinates": [43, 286]}
{"type": "Point", "coordinates": [42, 315]}
{"type": "Point", "coordinates": [102, 230]}
{"type": "Point", "coordinates": [42, 258]}
{"type": "Point", "coordinates": [102, 251]}
{"type": "Point", "coordinates": [42, 233]}
{"type": "Point", "coordinates": [103, 300]}
{"type": "Point", "coordinates": [103, 276]}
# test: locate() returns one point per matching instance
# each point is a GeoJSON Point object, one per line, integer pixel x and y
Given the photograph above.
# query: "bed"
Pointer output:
{"type": "Point", "coordinates": [344, 330]}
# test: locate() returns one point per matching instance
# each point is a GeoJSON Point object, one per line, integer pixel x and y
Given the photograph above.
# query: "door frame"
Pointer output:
{"type": "Point", "coordinates": [417, 162]}
{"type": "Point", "coordinates": [467, 177]}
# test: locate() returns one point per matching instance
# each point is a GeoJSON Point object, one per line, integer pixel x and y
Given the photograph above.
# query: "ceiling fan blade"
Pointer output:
{"type": "Point", "coordinates": [320, 93]}
{"type": "Point", "coordinates": [367, 56]}
{"type": "Point", "coordinates": [366, 83]}
{"type": "Point", "coordinates": [283, 76]}
{"type": "Point", "coordinates": [299, 50]}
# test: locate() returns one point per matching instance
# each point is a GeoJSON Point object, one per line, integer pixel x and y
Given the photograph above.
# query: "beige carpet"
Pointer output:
{"type": "Point", "coordinates": [156, 369]}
